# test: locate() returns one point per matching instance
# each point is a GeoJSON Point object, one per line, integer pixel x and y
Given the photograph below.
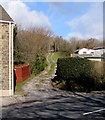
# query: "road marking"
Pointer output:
{"type": "Point", "coordinates": [93, 111]}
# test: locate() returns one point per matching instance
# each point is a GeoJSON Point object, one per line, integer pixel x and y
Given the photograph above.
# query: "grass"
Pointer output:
{"type": "Point", "coordinates": [49, 56]}
{"type": "Point", "coordinates": [52, 69]}
{"type": "Point", "coordinates": [55, 57]}
{"type": "Point", "coordinates": [59, 55]}
{"type": "Point", "coordinates": [52, 65]}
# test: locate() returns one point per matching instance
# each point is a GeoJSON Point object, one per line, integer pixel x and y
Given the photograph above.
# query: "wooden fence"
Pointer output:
{"type": "Point", "coordinates": [22, 72]}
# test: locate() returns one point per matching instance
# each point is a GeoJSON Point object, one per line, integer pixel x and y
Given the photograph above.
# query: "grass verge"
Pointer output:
{"type": "Point", "coordinates": [18, 87]}
{"type": "Point", "coordinates": [49, 56]}
{"type": "Point", "coordinates": [51, 69]}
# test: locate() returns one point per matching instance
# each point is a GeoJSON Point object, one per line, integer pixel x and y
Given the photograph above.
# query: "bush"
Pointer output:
{"type": "Point", "coordinates": [18, 62]}
{"type": "Point", "coordinates": [39, 65]}
{"type": "Point", "coordinates": [77, 72]}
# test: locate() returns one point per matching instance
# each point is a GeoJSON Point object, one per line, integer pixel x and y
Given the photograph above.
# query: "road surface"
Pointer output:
{"type": "Point", "coordinates": [61, 105]}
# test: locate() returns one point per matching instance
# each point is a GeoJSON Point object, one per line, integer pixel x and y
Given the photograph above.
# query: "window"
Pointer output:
{"type": "Point", "coordinates": [92, 52]}
{"type": "Point", "coordinates": [84, 52]}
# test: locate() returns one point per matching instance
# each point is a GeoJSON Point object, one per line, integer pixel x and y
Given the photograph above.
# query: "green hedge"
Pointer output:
{"type": "Point", "coordinates": [40, 65]}
{"type": "Point", "coordinates": [77, 72]}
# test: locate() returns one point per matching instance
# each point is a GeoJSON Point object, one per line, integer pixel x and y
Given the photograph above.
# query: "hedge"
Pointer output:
{"type": "Point", "coordinates": [39, 65]}
{"type": "Point", "coordinates": [77, 72]}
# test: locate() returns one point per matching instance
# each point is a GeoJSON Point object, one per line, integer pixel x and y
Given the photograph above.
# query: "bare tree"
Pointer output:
{"type": "Point", "coordinates": [84, 43]}
{"type": "Point", "coordinates": [31, 43]}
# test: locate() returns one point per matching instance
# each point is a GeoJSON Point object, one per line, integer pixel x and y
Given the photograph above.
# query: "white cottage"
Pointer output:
{"type": "Point", "coordinates": [95, 54]}
{"type": "Point", "coordinates": [86, 51]}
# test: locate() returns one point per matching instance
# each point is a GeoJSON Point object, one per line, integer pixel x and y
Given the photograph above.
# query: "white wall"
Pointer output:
{"type": "Point", "coordinates": [94, 59]}
{"type": "Point", "coordinates": [98, 52]}
{"type": "Point", "coordinates": [83, 51]}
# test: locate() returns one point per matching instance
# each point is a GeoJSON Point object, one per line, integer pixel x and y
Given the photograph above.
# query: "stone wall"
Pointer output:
{"type": "Point", "coordinates": [4, 56]}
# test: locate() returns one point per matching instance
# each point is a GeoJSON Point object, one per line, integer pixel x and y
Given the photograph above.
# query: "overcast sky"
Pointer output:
{"type": "Point", "coordinates": [66, 19]}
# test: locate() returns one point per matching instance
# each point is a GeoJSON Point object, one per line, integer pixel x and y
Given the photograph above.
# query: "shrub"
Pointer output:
{"type": "Point", "coordinates": [77, 72]}
{"type": "Point", "coordinates": [39, 65]}
{"type": "Point", "coordinates": [18, 62]}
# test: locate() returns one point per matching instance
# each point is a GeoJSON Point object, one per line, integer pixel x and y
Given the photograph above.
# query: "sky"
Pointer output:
{"type": "Point", "coordinates": [67, 19]}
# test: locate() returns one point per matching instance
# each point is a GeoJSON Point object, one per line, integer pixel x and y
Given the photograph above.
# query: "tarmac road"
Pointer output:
{"type": "Point", "coordinates": [79, 106]}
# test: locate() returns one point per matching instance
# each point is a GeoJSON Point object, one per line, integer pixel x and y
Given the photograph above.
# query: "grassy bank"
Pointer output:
{"type": "Point", "coordinates": [59, 55]}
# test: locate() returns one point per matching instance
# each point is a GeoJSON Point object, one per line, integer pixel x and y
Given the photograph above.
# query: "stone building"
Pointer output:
{"type": "Point", "coordinates": [6, 53]}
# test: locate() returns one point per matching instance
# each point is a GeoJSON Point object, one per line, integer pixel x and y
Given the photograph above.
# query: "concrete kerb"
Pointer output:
{"type": "Point", "coordinates": [19, 100]}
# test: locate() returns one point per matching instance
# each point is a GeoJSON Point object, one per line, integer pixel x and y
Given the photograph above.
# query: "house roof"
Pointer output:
{"type": "Point", "coordinates": [4, 15]}
{"type": "Point", "coordinates": [97, 48]}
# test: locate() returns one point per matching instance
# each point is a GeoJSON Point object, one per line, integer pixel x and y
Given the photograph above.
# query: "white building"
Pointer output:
{"type": "Point", "coordinates": [96, 54]}
{"type": "Point", "coordinates": [86, 51]}
{"type": "Point", "coordinates": [98, 51]}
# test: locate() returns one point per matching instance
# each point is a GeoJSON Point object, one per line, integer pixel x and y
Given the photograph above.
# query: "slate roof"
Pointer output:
{"type": "Point", "coordinates": [98, 48]}
{"type": "Point", "coordinates": [4, 15]}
